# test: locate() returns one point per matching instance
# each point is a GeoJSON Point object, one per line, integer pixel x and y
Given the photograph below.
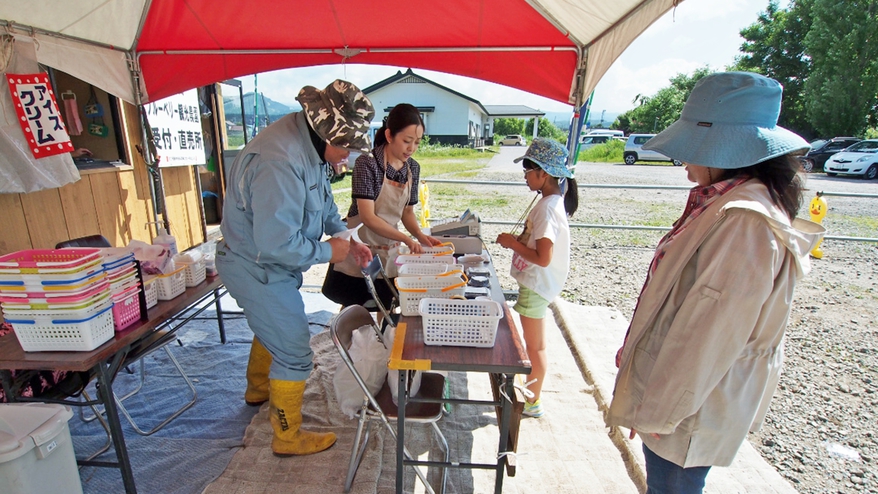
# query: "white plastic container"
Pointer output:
{"type": "Point", "coordinates": [36, 452]}
{"type": "Point", "coordinates": [166, 240]}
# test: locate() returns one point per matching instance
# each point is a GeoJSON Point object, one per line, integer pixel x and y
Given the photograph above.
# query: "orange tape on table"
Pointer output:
{"type": "Point", "coordinates": [396, 362]}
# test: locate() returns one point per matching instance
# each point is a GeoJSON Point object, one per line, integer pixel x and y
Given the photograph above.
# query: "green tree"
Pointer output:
{"type": "Point", "coordinates": [546, 129]}
{"type": "Point", "coordinates": [655, 113]}
{"type": "Point", "coordinates": [507, 126]}
{"type": "Point", "coordinates": [842, 89]}
{"type": "Point", "coordinates": [775, 47]}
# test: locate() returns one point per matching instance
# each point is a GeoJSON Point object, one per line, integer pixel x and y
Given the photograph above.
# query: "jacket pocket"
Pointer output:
{"type": "Point", "coordinates": [312, 222]}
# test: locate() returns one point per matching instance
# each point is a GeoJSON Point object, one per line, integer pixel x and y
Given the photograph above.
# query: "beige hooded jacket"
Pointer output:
{"type": "Point", "coordinates": [704, 352]}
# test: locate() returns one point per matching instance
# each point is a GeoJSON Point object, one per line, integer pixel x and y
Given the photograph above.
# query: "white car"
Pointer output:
{"type": "Point", "coordinates": [513, 140]}
{"type": "Point", "coordinates": [590, 141]}
{"type": "Point", "coordinates": [634, 151]}
{"type": "Point", "coordinates": [858, 159]}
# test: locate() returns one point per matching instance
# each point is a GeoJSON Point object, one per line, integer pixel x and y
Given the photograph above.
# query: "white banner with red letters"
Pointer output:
{"type": "Point", "coordinates": [38, 114]}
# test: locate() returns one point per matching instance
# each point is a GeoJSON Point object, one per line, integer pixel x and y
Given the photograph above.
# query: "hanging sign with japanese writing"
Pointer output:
{"type": "Point", "coordinates": [176, 129]}
{"type": "Point", "coordinates": [38, 114]}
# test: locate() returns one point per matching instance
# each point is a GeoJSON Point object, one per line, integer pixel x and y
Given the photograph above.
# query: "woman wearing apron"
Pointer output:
{"type": "Point", "coordinates": [384, 191]}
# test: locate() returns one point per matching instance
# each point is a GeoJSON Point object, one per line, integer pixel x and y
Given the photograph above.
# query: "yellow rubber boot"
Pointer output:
{"type": "Point", "coordinates": [285, 413]}
{"type": "Point", "coordinates": [257, 374]}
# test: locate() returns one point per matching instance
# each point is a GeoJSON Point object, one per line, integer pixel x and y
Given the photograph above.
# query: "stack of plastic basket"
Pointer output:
{"type": "Point", "coordinates": [56, 300]}
{"type": "Point", "coordinates": [124, 286]}
{"type": "Point", "coordinates": [460, 322]}
{"type": "Point", "coordinates": [194, 264]}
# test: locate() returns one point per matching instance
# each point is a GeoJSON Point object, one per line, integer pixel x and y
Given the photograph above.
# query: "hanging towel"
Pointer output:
{"type": "Point", "coordinates": [71, 115]}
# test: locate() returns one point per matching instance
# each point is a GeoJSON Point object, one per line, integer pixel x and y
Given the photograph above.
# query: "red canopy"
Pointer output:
{"type": "Point", "coordinates": [554, 48]}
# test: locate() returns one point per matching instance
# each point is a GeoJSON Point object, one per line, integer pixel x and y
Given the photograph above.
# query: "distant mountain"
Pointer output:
{"type": "Point", "coordinates": [274, 109]}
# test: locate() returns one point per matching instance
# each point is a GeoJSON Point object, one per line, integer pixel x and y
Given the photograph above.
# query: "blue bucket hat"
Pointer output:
{"type": "Point", "coordinates": [550, 155]}
{"type": "Point", "coordinates": [729, 122]}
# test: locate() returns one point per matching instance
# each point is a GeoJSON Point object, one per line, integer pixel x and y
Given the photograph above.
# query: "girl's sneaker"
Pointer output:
{"type": "Point", "coordinates": [534, 409]}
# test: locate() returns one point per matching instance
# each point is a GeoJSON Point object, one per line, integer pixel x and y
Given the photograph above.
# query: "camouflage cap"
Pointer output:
{"type": "Point", "coordinates": [340, 114]}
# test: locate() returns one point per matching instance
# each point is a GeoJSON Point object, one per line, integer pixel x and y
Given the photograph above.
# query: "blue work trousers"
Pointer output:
{"type": "Point", "coordinates": [270, 298]}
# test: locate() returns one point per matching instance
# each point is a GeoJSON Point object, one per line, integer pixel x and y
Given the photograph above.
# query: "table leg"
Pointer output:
{"type": "Point", "coordinates": [105, 392]}
{"type": "Point", "coordinates": [219, 317]}
{"type": "Point", "coordinates": [400, 429]}
{"type": "Point", "coordinates": [505, 419]}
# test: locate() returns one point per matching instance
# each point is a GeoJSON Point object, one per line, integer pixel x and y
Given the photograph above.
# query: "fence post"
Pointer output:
{"type": "Point", "coordinates": [818, 208]}
{"type": "Point", "coordinates": [424, 198]}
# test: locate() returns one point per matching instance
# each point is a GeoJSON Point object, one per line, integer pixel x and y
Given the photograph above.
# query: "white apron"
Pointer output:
{"type": "Point", "coordinates": [389, 205]}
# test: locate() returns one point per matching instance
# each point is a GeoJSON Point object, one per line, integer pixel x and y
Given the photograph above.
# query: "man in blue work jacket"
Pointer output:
{"type": "Point", "coordinates": [278, 206]}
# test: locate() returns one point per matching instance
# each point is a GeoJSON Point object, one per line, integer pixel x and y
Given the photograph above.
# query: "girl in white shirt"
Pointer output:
{"type": "Point", "coordinates": [541, 256]}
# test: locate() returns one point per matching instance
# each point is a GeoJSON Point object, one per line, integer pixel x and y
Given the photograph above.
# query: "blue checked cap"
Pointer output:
{"type": "Point", "coordinates": [550, 154]}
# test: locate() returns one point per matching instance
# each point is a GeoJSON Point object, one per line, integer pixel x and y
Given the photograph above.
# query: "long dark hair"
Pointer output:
{"type": "Point", "coordinates": [571, 197]}
{"type": "Point", "coordinates": [781, 176]}
{"type": "Point", "coordinates": [400, 117]}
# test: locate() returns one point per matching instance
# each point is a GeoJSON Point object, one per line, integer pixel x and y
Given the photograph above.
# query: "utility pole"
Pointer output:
{"type": "Point", "coordinates": [655, 124]}
{"type": "Point", "coordinates": [602, 119]}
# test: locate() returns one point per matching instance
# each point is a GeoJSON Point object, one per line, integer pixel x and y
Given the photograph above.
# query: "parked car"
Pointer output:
{"type": "Point", "coordinates": [590, 141]}
{"type": "Point", "coordinates": [513, 140]}
{"type": "Point", "coordinates": [606, 132]}
{"type": "Point", "coordinates": [858, 159]}
{"type": "Point", "coordinates": [822, 149]}
{"type": "Point", "coordinates": [634, 151]}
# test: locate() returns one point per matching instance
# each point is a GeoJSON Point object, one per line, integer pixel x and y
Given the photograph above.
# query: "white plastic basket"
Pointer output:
{"type": "Point", "coordinates": [424, 259]}
{"type": "Point", "coordinates": [171, 285]}
{"type": "Point", "coordinates": [51, 335]}
{"type": "Point", "coordinates": [416, 269]}
{"type": "Point", "coordinates": [195, 272]}
{"type": "Point", "coordinates": [150, 291]}
{"type": "Point", "coordinates": [460, 322]}
{"type": "Point", "coordinates": [414, 288]}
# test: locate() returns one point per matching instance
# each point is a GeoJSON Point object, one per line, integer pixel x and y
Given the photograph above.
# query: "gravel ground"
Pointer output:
{"type": "Point", "coordinates": [821, 432]}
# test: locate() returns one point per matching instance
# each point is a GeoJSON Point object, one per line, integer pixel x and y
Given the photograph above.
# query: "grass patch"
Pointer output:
{"type": "Point", "coordinates": [610, 152]}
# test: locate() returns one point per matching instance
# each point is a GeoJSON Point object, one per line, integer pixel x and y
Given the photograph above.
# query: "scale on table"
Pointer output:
{"type": "Point", "coordinates": [467, 224]}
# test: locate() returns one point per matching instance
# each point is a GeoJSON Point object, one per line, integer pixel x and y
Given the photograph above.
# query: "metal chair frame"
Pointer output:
{"type": "Point", "coordinates": [370, 275]}
{"type": "Point", "coordinates": [341, 328]}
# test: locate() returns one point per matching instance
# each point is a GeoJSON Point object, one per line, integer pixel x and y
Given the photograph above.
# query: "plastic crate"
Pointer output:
{"type": "Point", "coordinates": [126, 308]}
{"type": "Point", "coordinates": [150, 291]}
{"type": "Point", "coordinates": [195, 272]}
{"type": "Point", "coordinates": [416, 269]}
{"type": "Point", "coordinates": [460, 322]}
{"type": "Point", "coordinates": [414, 288]}
{"type": "Point", "coordinates": [34, 261]}
{"type": "Point", "coordinates": [424, 259]}
{"type": "Point", "coordinates": [45, 298]}
{"type": "Point", "coordinates": [171, 285]}
{"type": "Point", "coordinates": [25, 305]}
{"type": "Point", "coordinates": [77, 286]}
{"type": "Point", "coordinates": [51, 335]}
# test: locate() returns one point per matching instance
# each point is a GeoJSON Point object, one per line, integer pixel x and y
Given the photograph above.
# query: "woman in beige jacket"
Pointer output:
{"type": "Point", "coordinates": [703, 354]}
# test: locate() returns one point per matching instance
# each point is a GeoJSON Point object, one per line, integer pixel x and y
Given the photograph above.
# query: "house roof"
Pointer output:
{"type": "Point", "coordinates": [400, 75]}
{"type": "Point", "coordinates": [513, 111]}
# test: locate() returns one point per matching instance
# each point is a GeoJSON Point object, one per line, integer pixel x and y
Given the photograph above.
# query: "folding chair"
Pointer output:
{"type": "Point", "coordinates": [370, 275]}
{"type": "Point", "coordinates": [380, 407]}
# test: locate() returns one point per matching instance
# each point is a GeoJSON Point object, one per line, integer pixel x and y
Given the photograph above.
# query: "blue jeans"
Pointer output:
{"type": "Point", "coordinates": [665, 477]}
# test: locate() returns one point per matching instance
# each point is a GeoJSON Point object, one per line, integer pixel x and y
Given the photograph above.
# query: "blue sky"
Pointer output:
{"type": "Point", "coordinates": [696, 33]}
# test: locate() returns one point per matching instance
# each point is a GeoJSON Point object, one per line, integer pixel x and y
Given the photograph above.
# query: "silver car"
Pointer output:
{"type": "Point", "coordinates": [858, 159]}
{"type": "Point", "coordinates": [634, 151]}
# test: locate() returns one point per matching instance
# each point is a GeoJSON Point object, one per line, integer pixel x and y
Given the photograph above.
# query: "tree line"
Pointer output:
{"type": "Point", "coordinates": [824, 52]}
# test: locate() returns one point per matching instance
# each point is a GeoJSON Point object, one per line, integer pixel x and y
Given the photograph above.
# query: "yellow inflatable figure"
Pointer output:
{"type": "Point", "coordinates": [817, 208]}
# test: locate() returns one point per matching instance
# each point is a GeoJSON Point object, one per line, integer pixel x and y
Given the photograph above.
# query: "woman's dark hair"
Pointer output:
{"type": "Point", "coordinates": [400, 117]}
{"type": "Point", "coordinates": [571, 197]}
{"type": "Point", "coordinates": [781, 176]}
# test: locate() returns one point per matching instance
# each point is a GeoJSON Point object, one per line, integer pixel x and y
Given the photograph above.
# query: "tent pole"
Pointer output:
{"type": "Point", "coordinates": [148, 152]}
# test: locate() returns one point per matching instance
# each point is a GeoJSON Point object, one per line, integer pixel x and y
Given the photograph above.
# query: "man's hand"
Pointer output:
{"type": "Point", "coordinates": [361, 252]}
{"type": "Point", "coordinates": [340, 249]}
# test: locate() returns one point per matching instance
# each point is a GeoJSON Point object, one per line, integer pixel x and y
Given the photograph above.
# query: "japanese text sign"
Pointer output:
{"type": "Point", "coordinates": [176, 129]}
{"type": "Point", "coordinates": [38, 114]}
